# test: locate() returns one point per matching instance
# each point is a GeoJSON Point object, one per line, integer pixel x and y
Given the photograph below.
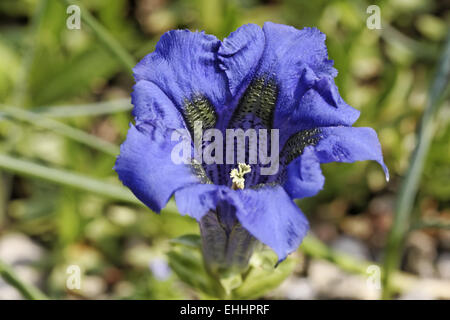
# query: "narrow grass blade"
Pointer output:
{"type": "Point", "coordinates": [81, 110]}
{"type": "Point", "coordinates": [85, 110]}
{"type": "Point", "coordinates": [67, 178]}
{"type": "Point", "coordinates": [21, 88]}
{"type": "Point", "coordinates": [61, 128]}
{"type": "Point", "coordinates": [28, 291]}
{"type": "Point", "coordinates": [410, 185]}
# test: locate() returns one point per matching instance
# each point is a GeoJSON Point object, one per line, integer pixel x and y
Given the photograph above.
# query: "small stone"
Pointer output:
{"type": "Point", "coordinates": [325, 231]}
{"type": "Point", "coordinates": [357, 226]}
{"type": "Point", "coordinates": [416, 293]}
{"type": "Point", "coordinates": [296, 288]}
{"type": "Point", "coordinates": [332, 283]}
{"type": "Point", "coordinates": [352, 247]}
{"type": "Point", "coordinates": [420, 254]}
{"type": "Point", "coordinates": [443, 265]}
{"type": "Point", "coordinates": [92, 287]}
{"type": "Point", "coordinates": [16, 248]}
{"type": "Point", "coordinates": [444, 239]}
{"type": "Point", "coordinates": [19, 252]}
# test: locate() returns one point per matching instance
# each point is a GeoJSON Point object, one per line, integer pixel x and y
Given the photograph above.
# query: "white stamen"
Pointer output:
{"type": "Point", "coordinates": [238, 175]}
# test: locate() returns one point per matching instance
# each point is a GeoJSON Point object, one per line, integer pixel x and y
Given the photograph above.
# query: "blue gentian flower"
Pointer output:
{"type": "Point", "coordinates": [275, 77]}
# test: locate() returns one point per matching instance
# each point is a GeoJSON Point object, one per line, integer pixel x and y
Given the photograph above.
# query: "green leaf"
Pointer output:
{"type": "Point", "coordinates": [185, 259]}
{"type": "Point", "coordinates": [262, 277]}
{"type": "Point", "coordinates": [230, 282]}
{"type": "Point", "coordinates": [188, 240]}
{"type": "Point", "coordinates": [56, 82]}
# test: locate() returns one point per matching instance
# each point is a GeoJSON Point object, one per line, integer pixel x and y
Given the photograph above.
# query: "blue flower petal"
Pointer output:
{"type": "Point", "coordinates": [145, 165]}
{"type": "Point", "coordinates": [296, 58]}
{"type": "Point", "coordinates": [288, 47]}
{"type": "Point", "coordinates": [184, 64]}
{"type": "Point", "coordinates": [196, 200]}
{"type": "Point", "coordinates": [349, 144]}
{"type": "Point", "coordinates": [322, 106]}
{"type": "Point", "coordinates": [273, 218]}
{"type": "Point", "coordinates": [152, 105]}
{"type": "Point", "coordinates": [304, 176]}
{"type": "Point", "coordinates": [268, 213]}
{"type": "Point", "coordinates": [239, 55]}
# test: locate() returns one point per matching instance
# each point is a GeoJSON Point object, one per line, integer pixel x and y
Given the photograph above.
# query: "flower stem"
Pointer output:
{"type": "Point", "coordinates": [410, 185]}
{"type": "Point", "coordinates": [28, 291]}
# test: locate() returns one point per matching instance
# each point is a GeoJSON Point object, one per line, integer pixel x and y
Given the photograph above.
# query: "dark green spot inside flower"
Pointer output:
{"type": "Point", "coordinates": [199, 108]}
{"type": "Point", "coordinates": [295, 145]}
{"type": "Point", "coordinates": [200, 172]}
{"type": "Point", "coordinates": [258, 101]}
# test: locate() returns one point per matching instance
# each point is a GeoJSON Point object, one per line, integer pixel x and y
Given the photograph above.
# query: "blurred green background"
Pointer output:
{"type": "Point", "coordinates": [65, 105]}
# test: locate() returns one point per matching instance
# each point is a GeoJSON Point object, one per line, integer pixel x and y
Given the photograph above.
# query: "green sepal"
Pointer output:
{"type": "Point", "coordinates": [263, 276]}
{"type": "Point", "coordinates": [185, 259]}
{"type": "Point", "coordinates": [229, 282]}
